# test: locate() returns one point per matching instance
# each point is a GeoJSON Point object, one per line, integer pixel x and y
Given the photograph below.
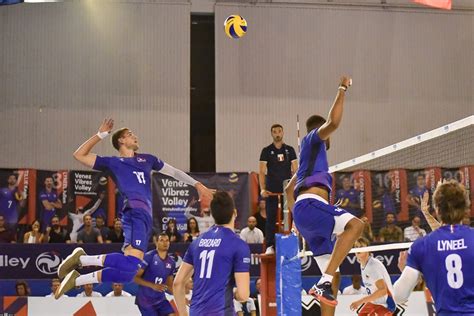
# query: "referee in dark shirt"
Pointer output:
{"type": "Point", "coordinates": [278, 162]}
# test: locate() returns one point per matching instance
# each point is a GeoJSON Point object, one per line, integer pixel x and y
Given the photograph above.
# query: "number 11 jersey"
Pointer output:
{"type": "Point", "coordinates": [216, 255]}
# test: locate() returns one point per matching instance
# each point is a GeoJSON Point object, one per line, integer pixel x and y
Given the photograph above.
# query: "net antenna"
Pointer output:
{"type": "Point", "coordinates": [303, 241]}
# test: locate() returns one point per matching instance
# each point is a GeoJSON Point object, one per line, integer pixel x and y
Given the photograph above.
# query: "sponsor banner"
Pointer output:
{"type": "Point", "coordinates": [419, 182]}
{"type": "Point", "coordinates": [41, 261]}
{"type": "Point", "coordinates": [15, 197]}
{"type": "Point", "coordinates": [388, 196]}
{"type": "Point", "coordinates": [89, 194]}
{"type": "Point", "coordinates": [174, 199]}
{"type": "Point", "coordinates": [82, 306]}
{"type": "Point", "coordinates": [350, 191]}
{"type": "Point", "coordinates": [350, 266]}
{"type": "Point", "coordinates": [51, 196]}
{"type": "Point", "coordinates": [464, 175]}
{"type": "Point", "coordinates": [86, 306]}
{"type": "Point", "coordinates": [413, 307]}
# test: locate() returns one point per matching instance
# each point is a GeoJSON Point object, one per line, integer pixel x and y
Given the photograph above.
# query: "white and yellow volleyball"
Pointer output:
{"type": "Point", "coordinates": [235, 26]}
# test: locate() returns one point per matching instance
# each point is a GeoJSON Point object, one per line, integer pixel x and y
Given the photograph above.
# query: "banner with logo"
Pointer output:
{"type": "Point", "coordinates": [350, 191]}
{"type": "Point", "coordinates": [174, 199]}
{"type": "Point", "coordinates": [465, 176]}
{"type": "Point", "coordinates": [51, 196]}
{"type": "Point", "coordinates": [16, 202]}
{"type": "Point", "coordinates": [90, 194]}
{"type": "Point", "coordinates": [41, 261]}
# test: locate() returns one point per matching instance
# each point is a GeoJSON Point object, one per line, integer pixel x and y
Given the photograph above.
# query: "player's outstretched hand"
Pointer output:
{"type": "Point", "coordinates": [106, 125]}
{"type": "Point", "coordinates": [355, 305]}
{"type": "Point", "coordinates": [205, 194]}
{"type": "Point", "coordinates": [425, 202]}
{"type": "Point", "coordinates": [346, 81]}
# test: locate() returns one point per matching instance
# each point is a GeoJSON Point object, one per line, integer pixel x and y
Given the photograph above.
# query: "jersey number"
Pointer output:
{"type": "Point", "coordinates": [158, 280]}
{"type": "Point", "coordinates": [207, 260]}
{"type": "Point", "coordinates": [453, 265]}
{"type": "Point", "coordinates": [10, 202]}
{"type": "Point", "coordinates": [140, 177]}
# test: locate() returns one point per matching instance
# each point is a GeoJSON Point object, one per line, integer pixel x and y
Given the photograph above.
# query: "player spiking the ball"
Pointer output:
{"type": "Point", "coordinates": [131, 172]}
{"type": "Point", "coordinates": [317, 220]}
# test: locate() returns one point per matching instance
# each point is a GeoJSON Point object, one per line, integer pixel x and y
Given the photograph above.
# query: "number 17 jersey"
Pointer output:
{"type": "Point", "coordinates": [445, 258]}
{"type": "Point", "coordinates": [216, 255]}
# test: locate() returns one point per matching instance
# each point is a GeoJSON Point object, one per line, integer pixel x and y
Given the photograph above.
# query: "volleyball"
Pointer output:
{"type": "Point", "coordinates": [235, 26]}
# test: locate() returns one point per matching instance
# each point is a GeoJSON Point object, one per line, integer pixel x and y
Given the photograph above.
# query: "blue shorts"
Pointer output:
{"type": "Point", "coordinates": [164, 308]}
{"type": "Point", "coordinates": [318, 222]}
{"type": "Point", "coordinates": [137, 226]}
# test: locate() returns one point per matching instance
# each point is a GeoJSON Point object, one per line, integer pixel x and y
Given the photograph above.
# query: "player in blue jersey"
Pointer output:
{"type": "Point", "coordinates": [10, 198]}
{"type": "Point", "coordinates": [154, 278]}
{"type": "Point", "coordinates": [132, 174]}
{"type": "Point", "coordinates": [317, 221]}
{"type": "Point", "coordinates": [50, 202]}
{"type": "Point", "coordinates": [443, 256]}
{"type": "Point", "coordinates": [220, 260]}
{"type": "Point", "coordinates": [349, 197]}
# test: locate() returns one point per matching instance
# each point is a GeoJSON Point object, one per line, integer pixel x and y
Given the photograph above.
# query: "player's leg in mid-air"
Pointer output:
{"type": "Point", "coordinates": [318, 222]}
{"type": "Point", "coordinates": [117, 267]}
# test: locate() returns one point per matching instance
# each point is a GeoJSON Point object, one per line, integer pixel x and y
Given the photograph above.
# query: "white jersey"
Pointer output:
{"type": "Point", "coordinates": [93, 294]}
{"type": "Point", "coordinates": [124, 293]}
{"type": "Point", "coordinates": [373, 271]}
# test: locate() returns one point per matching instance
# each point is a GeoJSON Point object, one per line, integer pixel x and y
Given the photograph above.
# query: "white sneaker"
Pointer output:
{"type": "Point", "coordinates": [270, 251]}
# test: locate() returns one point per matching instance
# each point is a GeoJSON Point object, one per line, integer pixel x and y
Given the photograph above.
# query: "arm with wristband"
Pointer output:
{"type": "Point", "coordinates": [335, 114]}
{"type": "Point", "coordinates": [83, 154]}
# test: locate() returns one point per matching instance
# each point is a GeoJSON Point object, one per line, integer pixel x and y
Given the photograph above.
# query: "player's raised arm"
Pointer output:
{"type": "Point", "coordinates": [83, 154]}
{"type": "Point", "coordinates": [425, 209]}
{"type": "Point", "coordinates": [335, 114]}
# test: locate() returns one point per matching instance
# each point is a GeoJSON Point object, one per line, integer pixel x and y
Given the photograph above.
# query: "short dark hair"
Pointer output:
{"type": "Point", "coordinates": [314, 121]}
{"type": "Point", "coordinates": [161, 234]}
{"type": "Point", "coordinates": [451, 201]}
{"type": "Point", "coordinates": [222, 208]}
{"type": "Point", "coordinates": [117, 135]}
{"type": "Point", "coordinates": [276, 125]}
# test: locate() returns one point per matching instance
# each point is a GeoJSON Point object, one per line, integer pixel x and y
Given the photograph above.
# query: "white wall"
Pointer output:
{"type": "Point", "coordinates": [65, 66]}
{"type": "Point", "coordinates": [412, 72]}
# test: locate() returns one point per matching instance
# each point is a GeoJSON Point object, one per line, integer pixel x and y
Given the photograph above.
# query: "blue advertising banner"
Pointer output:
{"type": "Point", "coordinates": [173, 199]}
{"type": "Point", "coordinates": [41, 261]}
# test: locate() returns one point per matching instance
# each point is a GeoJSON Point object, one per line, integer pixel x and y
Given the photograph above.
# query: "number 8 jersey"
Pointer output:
{"type": "Point", "coordinates": [445, 258]}
{"type": "Point", "coordinates": [215, 256]}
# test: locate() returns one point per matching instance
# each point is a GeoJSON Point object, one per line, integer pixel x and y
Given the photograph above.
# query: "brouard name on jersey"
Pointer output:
{"type": "Point", "coordinates": [210, 243]}
{"type": "Point", "coordinates": [444, 245]}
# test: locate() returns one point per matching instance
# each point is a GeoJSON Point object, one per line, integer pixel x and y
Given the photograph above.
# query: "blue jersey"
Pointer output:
{"type": "Point", "coordinates": [352, 196]}
{"type": "Point", "coordinates": [313, 169]}
{"type": "Point", "coordinates": [8, 205]}
{"type": "Point", "coordinates": [418, 193]}
{"type": "Point", "coordinates": [51, 197]}
{"type": "Point", "coordinates": [157, 270]}
{"type": "Point", "coordinates": [445, 257]}
{"type": "Point", "coordinates": [132, 176]}
{"type": "Point", "coordinates": [216, 255]}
